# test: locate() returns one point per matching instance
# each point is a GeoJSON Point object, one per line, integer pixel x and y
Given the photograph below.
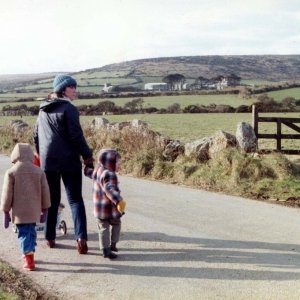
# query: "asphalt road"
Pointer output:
{"type": "Point", "coordinates": [176, 243]}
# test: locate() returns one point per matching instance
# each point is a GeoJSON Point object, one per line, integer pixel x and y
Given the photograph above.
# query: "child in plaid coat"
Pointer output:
{"type": "Point", "coordinates": [108, 204]}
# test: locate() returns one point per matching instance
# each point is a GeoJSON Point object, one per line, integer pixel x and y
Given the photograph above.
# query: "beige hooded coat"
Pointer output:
{"type": "Point", "coordinates": [25, 189]}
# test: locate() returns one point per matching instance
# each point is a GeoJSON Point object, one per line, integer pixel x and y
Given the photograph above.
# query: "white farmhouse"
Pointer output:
{"type": "Point", "coordinates": [223, 83]}
{"type": "Point", "coordinates": [157, 86]}
{"type": "Point", "coordinates": [107, 88]}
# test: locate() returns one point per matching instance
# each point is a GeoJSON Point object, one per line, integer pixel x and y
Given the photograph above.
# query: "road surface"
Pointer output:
{"type": "Point", "coordinates": [176, 243]}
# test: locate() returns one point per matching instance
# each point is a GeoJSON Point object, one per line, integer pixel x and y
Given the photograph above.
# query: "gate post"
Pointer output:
{"type": "Point", "coordinates": [278, 135]}
{"type": "Point", "coordinates": [255, 120]}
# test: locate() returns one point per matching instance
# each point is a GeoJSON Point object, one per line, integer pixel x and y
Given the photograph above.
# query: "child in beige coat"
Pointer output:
{"type": "Point", "coordinates": [26, 194]}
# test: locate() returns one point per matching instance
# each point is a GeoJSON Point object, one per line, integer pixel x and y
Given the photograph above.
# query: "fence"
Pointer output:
{"type": "Point", "coordinates": [278, 136]}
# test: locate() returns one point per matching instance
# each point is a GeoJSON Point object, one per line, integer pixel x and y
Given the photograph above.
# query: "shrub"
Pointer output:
{"type": "Point", "coordinates": [288, 102]}
{"type": "Point", "coordinates": [150, 110]}
{"type": "Point", "coordinates": [222, 108]}
{"type": "Point", "coordinates": [174, 108]}
{"type": "Point", "coordinates": [135, 105]}
{"type": "Point", "coordinates": [8, 138]}
{"type": "Point", "coordinates": [195, 109]}
{"type": "Point", "coordinates": [162, 111]}
{"type": "Point", "coordinates": [243, 109]}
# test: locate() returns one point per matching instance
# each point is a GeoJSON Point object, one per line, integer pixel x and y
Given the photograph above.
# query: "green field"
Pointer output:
{"type": "Point", "coordinates": [279, 95]}
{"type": "Point", "coordinates": [36, 87]}
{"type": "Point", "coordinates": [185, 127]}
{"type": "Point", "coordinates": [184, 100]}
{"type": "Point", "coordinates": [102, 81]}
{"type": "Point", "coordinates": [100, 74]}
{"type": "Point", "coordinates": [157, 101]}
{"type": "Point", "coordinates": [257, 82]}
{"type": "Point", "coordinates": [16, 96]}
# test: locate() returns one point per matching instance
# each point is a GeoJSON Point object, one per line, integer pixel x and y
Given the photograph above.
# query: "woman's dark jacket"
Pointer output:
{"type": "Point", "coordinates": [58, 137]}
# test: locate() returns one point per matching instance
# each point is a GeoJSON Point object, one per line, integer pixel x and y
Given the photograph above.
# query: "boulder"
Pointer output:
{"type": "Point", "coordinates": [121, 125]}
{"type": "Point", "coordinates": [173, 149]}
{"type": "Point", "coordinates": [100, 122]}
{"type": "Point", "coordinates": [246, 138]}
{"type": "Point", "coordinates": [139, 123]}
{"type": "Point", "coordinates": [198, 149]}
{"type": "Point", "coordinates": [220, 141]}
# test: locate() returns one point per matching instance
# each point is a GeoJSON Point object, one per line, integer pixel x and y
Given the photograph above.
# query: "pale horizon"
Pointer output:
{"type": "Point", "coordinates": [72, 36]}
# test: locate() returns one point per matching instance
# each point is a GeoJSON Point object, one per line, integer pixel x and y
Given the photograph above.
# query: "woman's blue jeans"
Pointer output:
{"type": "Point", "coordinates": [27, 237]}
{"type": "Point", "coordinates": [73, 185]}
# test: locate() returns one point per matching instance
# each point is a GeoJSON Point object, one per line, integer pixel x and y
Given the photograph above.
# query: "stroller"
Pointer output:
{"type": "Point", "coordinates": [60, 223]}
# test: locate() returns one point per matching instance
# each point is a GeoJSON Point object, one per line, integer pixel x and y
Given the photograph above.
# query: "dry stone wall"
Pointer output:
{"type": "Point", "coordinates": [202, 150]}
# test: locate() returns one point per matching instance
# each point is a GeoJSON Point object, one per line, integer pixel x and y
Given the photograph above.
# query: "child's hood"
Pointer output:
{"type": "Point", "coordinates": [108, 159]}
{"type": "Point", "coordinates": [22, 152]}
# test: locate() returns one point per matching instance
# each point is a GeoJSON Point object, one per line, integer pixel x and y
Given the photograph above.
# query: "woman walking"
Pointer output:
{"type": "Point", "coordinates": [60, 143]}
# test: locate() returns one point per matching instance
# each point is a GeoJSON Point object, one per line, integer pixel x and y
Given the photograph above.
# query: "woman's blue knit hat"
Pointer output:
{"type": "Point", "coordinates": [61, 81]}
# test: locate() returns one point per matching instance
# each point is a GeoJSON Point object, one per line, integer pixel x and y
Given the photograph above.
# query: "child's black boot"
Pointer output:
{"type": "Point", "coordinates": [113, 247]}
{"type": "Point", "coordinates": [108, 254]}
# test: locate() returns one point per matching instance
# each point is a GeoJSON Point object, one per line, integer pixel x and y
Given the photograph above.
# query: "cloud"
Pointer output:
{"type": "Point", "coordinates": [73, 35]}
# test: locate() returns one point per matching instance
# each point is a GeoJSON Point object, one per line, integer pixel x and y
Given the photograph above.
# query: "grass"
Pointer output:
{"type": "Point", "coordinates": [185, 100]}
{"type": "Point", "coordinates": [7, 296]}
{"type": "Point", "coordinates": [155, 101]}
{"type": "Point", "coordinates": [99, 74]}
{"type": "Point", "coordinates": [151, 79]}
{"type": "Point", "coordinates": [46, 85]}
{"type": "Point", "coordinates": [101, 81]}
{"type": "Point", "coordinates": [185, 127]}
{"type": "Point", "coordinates": [279, 95]}
{"type": "Point", "coordinates": [256, 82]}
{"type": "Point", "coordinates": [15, 285]}
{"type": "Point", "coordinates": [16, 96]}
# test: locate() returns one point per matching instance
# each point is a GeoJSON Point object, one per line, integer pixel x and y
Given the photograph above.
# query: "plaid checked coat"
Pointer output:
{"type": "Point", "coordinates": [106, 192]}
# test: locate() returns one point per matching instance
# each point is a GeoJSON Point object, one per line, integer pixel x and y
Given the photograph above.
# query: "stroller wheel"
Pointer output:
{"type": "Point", "coordinates": [63, 227]}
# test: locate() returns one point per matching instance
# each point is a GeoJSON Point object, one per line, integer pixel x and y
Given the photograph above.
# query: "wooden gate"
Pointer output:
{"type": "Point", "coordinates": [278, 136]}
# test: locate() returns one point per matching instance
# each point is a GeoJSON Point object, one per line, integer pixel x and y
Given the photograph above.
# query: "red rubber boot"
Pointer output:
{"type": "Point", "coordinates": [29, 262]}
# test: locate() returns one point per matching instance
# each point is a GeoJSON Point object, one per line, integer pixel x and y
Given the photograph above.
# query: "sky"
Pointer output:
{"type": "Point", "coordinates": [73, 35]}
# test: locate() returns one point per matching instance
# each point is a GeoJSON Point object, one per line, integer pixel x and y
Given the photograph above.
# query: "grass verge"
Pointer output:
{"type": "Point", "coordinates": [270, 177]}
{"type": "Point", "coordinates": [15, 285]}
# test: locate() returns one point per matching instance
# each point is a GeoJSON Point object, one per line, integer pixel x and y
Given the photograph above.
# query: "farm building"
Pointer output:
{"type": "Point", "coordinates": [107, 88]}
{"type": "Point", "coordinates": [157, 86]}
{"type": "Point", "coordinates": [219, 82]}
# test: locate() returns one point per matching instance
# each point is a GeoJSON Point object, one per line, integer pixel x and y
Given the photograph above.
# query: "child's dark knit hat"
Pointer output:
{"type": "Point", "coordinates": [108, 158]}
{"type": "Point", "coordinates": [62, 81]}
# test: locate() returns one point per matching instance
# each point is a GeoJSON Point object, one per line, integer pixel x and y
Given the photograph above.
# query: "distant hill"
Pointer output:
{"type": "Point", "coordinates": [138, 72]}
{"type": "Point", "coordinates": [16, 80]}
{"type": "Point", "coordinates": [264, 67]}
